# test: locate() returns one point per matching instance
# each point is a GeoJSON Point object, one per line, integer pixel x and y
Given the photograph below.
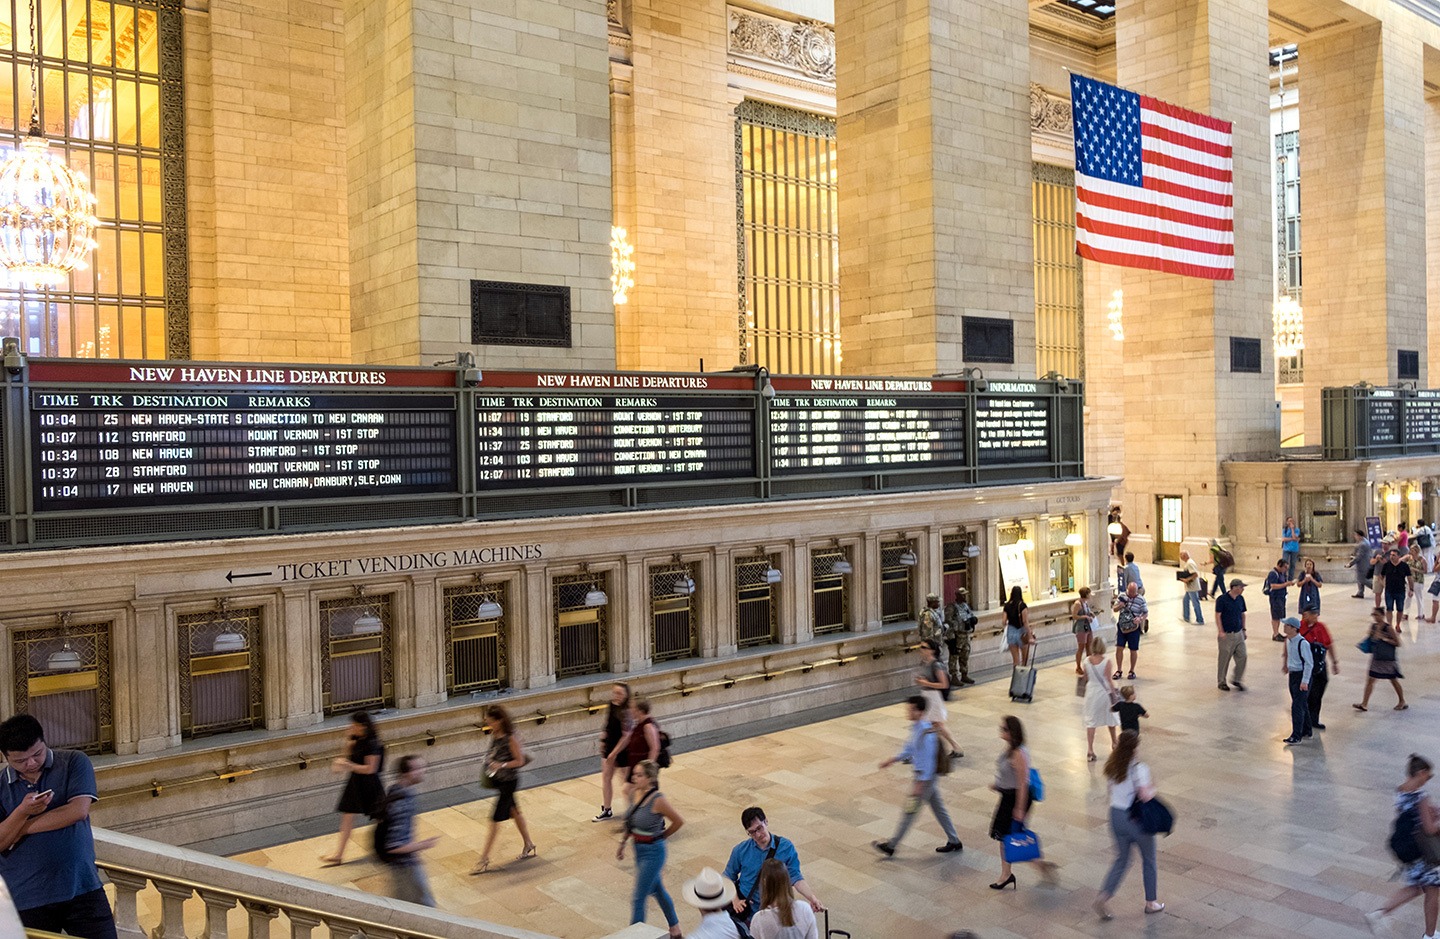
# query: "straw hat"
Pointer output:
{"type": "Point", "coordinates": [709, 891]}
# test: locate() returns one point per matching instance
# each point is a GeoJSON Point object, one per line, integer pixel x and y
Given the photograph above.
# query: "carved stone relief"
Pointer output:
{"type": "Point", "coordinates": [1049, 113]}
{"type": "Point", "coordinates": [808, 46]}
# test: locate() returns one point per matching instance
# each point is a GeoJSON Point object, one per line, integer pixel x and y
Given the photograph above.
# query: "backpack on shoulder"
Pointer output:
{"type": "Point", "coordinates": [381, 833]}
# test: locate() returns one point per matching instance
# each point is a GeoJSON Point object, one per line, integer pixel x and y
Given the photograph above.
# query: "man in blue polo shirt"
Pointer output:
{"type": "Point", "coordinates": [1230, 628]}
{"type": "Point", "coordinates": [47, 854]}
{"type": "Point", "coordinates": [747, 856]}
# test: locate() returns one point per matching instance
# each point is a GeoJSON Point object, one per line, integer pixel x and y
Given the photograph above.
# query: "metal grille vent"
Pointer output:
{"type": "Point", "coordinates": [581, 631]}
{"type": "Point", "coordinates": [221, 673]}
{"type": "Point", "coordinates": [476, 652]}
{"type": "Point", "coordinates": [756, 601]}
{"type": "Point", "coordinates": [356, 664]}
{"type": "Point", "coordinates": [62, 679]}
{"type": "Point", "coordinates": [831, 588]}
{"type": "Point", "coordinates": [673, 621]}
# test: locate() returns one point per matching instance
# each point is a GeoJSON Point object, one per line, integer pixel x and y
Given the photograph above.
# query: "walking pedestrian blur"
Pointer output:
{"type": "Point", "coordinates": [1220, 562]}
{"type": "Point", "coordinates": [1360, 559]}
{"type": "Point", "coordinates": [400, 850]}
{"type": "Point", "coordinates": [960, 623]}
{"type": "Point", "coordinates": [1082, 624]}
{"type": "Point", "coordinates": [747, 857]}
{"type": "Point", "coordinates": [1415, 815]}
{"type": "Point", "coordinates": [922, 751]}
{"type": "Point", "coordinates": [1012, 782]}
{"type": "Point", "coordinates": [1322, 647]}
{"type": "Point", "coordinates": [613, 755]}
{"type": "Point", "coordinates": [1129, 780]}
{"type": "Point", "coordinates": [641, 743]}
{"type": "Point", "coordinates": [1230, 632]}
{"type": "Point", "coordinates": [781, 916]}
{"type": "Point", "coordinates": [1424, 542]}
{"type": "Point", "coordinates": [1276, 587]}
{"type": "Point", "coordinates": [1290, 543]}
{"type": "Point", "coordinates": [650, 821]}
{"type": "Point", "coordinates": [1298, 665]}
{"type": "Point", "coordinates": [1131, 616]}
{"type": "Point", "coordinates": [1417, 583]}
{"type": "Point", "coordinates": [47, 847]}
{"type": "Point", "coordinates": [1433, 592]}
{"type": "Point", "coordinates": [1017, 627]}
{"type": "Point", "coordinates": [503, 764]}
{"type": "Point", "coordinates": [934, 684]}
{"type": "Point", "coordinates": [1099, 693]}
{"type": "Point", "coordinates": [1132, 574]}
{"type": "Point", "coordinates": [1189, 575]}
{"type": "Point", "coordinates": [1308, 579]}
{"type": "Point", "coordinates": [1383, 640]}
{"type": "Point", "coordinates": [1129, 709]}
{"type": "Point", "coordinates": [364, 760]}
{"type": "Point", "coordinates": [712, 895]}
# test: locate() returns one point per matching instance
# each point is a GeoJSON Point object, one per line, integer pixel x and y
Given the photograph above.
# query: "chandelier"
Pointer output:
{"type": "Point", "coordinates": [1117, 311]}
{"type": "Point", "coordinates": [47, 214]}
{"type": "Point", "coordinates": [1289, 323]}
{"type": "Point", "coordinates": [622, 265]}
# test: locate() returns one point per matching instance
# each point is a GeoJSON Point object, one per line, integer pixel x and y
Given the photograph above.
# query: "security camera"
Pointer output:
{"type": "Point", "coordinates": [10, 350]}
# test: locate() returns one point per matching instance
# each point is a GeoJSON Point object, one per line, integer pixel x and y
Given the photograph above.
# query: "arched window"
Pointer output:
{"type": "Point", "coordinates": [111, 100]}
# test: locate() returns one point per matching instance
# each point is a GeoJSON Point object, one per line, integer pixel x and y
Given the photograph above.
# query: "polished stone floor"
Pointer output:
{"type": "Point", "coordinates": [1271, 841]}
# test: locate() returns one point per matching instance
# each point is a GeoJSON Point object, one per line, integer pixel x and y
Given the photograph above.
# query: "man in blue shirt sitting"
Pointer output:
{"type": "Point", "coordinates": [921, 751]}
{"type": "Point", "coordinates": [744, 866]}
{"type": "Point", "coordinates": [47, 854]}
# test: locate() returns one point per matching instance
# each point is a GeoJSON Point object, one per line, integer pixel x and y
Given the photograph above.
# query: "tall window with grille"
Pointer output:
{"type": "Point", "coordinates": [221, 678]}
{"type": "Point", "coordinates": [897, 581]}
{"type": "Point", "coordinates": [356, 662]}
{"type": "Point", "coordinates": [62, 679]}
{"type": "Point", "coordinates": [112, 101]}
{"type": "Point", "coordinates": [582, 624]}
{"type": "Point", "coordinates": [475, 644]}
{"type": "Point", "coordinates": [757, 601]}
{"type": "Point", "coordinates": [955, 564]}
{"type": "Point", "coordinates": [789, 271]}
{"type": "Point", "coordinates": [673, 623]}
{"type": "Point", "coordinates": [1289, 369]}
{"type": "Point", "coordinates": [1059, 304]}
{"type": "Point", "coordinates": [830, 572]}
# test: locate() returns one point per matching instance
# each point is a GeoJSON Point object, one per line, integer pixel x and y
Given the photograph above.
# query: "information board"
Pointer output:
{"type": "Point", "coordinates": [1384, 421]}
{"type": "Point", "coordinates": [1012, 430]}
{"type": "Point", "coordinates": [101, 449]}
{"type": "Point", "coordinates": [1422, 419]}
{"type": "Point", "coordinates": [810, 433]}
{"type": "Point", "coordinates": [539, 439]}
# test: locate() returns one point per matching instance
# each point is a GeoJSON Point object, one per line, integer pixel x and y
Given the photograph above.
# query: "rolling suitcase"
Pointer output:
{"type": "Point", "coordinates": [833, 932]}
{"type": "Point", "coordinates": [1022, 683]}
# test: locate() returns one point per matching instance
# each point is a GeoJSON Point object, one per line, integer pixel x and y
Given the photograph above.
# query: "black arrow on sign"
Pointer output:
{"type": "Point", "coordinates": [232, 576]}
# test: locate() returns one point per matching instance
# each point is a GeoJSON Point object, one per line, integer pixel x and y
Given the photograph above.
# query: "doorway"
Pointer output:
{"type": "Point", "coordinates": [1167, 541]}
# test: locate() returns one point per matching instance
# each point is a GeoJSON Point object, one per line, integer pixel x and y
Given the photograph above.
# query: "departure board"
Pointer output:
{"type": "Point", "coordinates": [539, 439]}
{"type": "Point", "coordinates": [103, 449]}
{"type": "Point", "coordinates": [1422, 419]}
{"type": "Point", "coordinates": [811, 434]}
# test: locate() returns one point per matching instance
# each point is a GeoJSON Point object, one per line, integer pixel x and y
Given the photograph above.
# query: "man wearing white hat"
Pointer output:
{"type": "Point", "coordinates": [712, 895]}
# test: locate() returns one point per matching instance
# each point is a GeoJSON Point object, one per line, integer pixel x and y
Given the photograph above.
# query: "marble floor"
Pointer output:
{"type": "Point", "coordinates": [1270, 840]}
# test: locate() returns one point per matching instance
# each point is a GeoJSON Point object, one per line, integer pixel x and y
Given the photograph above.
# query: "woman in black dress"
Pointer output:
{"type": "Point", "coordinates": [612, 755]}
{"type": "Point", "coordinates": [364, 759]}
{"type": "Point", "coordinates": [502, 765]}
{"type": "Point", "coordinates": [1384, 640]}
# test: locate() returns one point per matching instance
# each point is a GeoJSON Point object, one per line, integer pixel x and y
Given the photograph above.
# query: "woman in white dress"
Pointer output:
{"type": "Point", "coordinates": [1098, 693]}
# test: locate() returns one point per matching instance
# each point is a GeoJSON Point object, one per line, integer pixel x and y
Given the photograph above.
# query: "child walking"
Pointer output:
{"type": "Point", "coordinates": [1129, 709]}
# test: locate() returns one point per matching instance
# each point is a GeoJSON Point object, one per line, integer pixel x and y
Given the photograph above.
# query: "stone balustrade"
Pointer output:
{"type": "Point", "coordinates": [192, 885]}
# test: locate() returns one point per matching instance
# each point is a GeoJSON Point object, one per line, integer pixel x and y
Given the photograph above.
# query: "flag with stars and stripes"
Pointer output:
{"type": "Point", "coordinates": [1154, 183]}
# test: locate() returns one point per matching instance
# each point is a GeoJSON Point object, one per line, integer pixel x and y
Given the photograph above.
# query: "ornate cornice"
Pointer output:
{"type": "Point", "coordinates": [612, 12]}
{"type": "Point", "coordinates": [1050, 113]}
{"type": "Point", "coordinates": [805, 48]}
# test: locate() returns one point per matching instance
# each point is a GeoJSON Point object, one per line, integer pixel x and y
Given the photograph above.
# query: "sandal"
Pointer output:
{"type": "Point", "coordinates": [1157, 908]}
{"type": "Point", "coordinates": [1359, 707]}
{"type": "Point", "coordinates": [482, 867]}
{"type": "Point", "coordinates": [1091, 758]}
{"type": "Point", "coordinates": [1402, 706]}
{"type": "Point", "coordinates": [331, 861]}
{"type": "Point", "coordinates": [1115, 676]}
{"type": "Point", "coordinates": [527, 854]}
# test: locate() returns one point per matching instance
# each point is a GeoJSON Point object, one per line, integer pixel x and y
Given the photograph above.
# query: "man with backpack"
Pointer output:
{"type": "Point", "coordinates": [1221, 561]}
{"type": "Point", "coordinates": [1322, 648]}
{"type": "Point", "coordinates": [744, 868]}
{"type": "Point", "coordinates": [1423, 537]}
{"type": "Point", "coordinates": [1299, 669]}
{"type": "Point", "coordinates": [960, 623]}
{"type": "Point", "coordinates": [929, 762]}
{"type": "Point", "coordinates": [395, 843]}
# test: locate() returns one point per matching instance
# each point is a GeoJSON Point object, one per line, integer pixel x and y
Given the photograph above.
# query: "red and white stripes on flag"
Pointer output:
{"type": "Point", "coordinates": [1154, 183]}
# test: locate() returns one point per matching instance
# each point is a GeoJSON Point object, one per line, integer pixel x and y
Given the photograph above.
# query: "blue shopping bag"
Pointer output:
{"type": "Point", "coordinates": [1020, 845]}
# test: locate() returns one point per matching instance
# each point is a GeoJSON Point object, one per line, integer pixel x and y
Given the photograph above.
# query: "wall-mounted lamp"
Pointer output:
{"type": "Point", "coordinates": [229, 639]}
{"type": "Point", "coordinates": [907, 558]}
{"type": "Point", "coordinates": [1073, 539]}
{"type": "Point", "coordinates": [64, 659]}
{"type": "Point", "coordinates": [1393, 497]}
{"type": "Point", "coordinates": [594, 597]}
{"type": "Point", "coordinates": [1415, 495]}
{"type": "Point", "coordinates": [1023, 542]}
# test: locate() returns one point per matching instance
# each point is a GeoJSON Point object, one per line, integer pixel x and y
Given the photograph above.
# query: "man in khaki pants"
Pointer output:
{"type": "Point", "coordinates": [1230, 630]}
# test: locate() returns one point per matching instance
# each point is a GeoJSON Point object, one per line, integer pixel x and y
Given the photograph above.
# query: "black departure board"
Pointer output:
{"type": "Point", "coordinates": [539, 439]}
{"type": "Point", "coordinates": [1012, 430]}
{"type": "Point", "coordinates": [103, 449]}
{"type": "Point", "coordinates": [865, 432]}
{"type": "Point", "coordinates": [1422, 419]}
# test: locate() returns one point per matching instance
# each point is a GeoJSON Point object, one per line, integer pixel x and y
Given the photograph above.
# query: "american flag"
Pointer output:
{"type": "Point", "coordinates": [1154, 183]}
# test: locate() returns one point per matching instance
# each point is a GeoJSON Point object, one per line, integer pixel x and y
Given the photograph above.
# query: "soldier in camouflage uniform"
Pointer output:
{"type": "Point", "coordinates": [960, 622]}
{"type": "Point", "coordinates": [932, 626]}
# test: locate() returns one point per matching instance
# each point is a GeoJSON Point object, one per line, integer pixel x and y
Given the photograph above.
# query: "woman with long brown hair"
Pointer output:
{"type": "Point", "coordinates": [1129, 780]}
{"type": "Point", "coordinates": [1017, 627]}
{"type": "Point", "coordinates": [781, 916]}
{"type": "Point", "coordinates": [502, 765]}
{"type": "Point", "coordinates": [1012, 781]}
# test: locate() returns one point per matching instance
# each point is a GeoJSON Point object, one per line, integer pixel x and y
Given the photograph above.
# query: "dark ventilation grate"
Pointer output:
{"type": "Point", "coordinates": [301, 517]}
{"type": "Point", "coordinates": [519, 314]}
{"type": "Point", "coordinates": [987, 339]}
{"type": "Point", "coordinates": [117, 528]}
{"type": "Point", "coordinates": [1244, 355]}
{"type": "Point", "coordinates": [1407, 364]}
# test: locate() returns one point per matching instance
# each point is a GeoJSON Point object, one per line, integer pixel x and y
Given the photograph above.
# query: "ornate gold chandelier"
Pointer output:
{"type": "Point", "coordinates": [47, 213]}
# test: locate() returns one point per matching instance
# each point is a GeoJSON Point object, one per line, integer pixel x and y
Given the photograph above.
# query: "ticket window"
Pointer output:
{"type": "Point", "coordinates": [955, 564]}
{"type": "Point", "coordinates": [674, 623]}
{"type": "Point", "coordinates": [757, 601]}
{"type": "Point", "coordinates": [897, 581]}
{"type": "Point", "coordinates": [476, 646]}
{"type": "Point", "coordinates": [356, 664]}
{"type": "Point", "coordinates": [1322, 517]}
{"type": "Point", "coordinates": [221, 678]}
{"type": "Point", "coordinates": [582, 623]}
{"type": "Point", "coordinates": [830, 573]}
{"type": "Point", "coordinates": [62, 679]}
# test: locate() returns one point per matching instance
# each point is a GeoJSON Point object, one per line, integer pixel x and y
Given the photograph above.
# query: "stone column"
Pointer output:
{"type": "Point", "coordinates": [427, 648]}
{"type": "Point", "coordinates": [1209, 56]}
{"type": "Point", "coordinates": [798, 624]}
{"type": "Point", "coordinates": [1362, 166]}
{"type": "Point", "coordinates": [155, 716]}
{"type": "Point", "coordinates": [1432, 217]}
{"type": "Point", "coordinates": [633, 624]}
{"type": "Point", "coordinates": [293, 661]}
{"type": "Point", "coordinates": [478, 149]}
{"type": "Point", "coordinates": [933, 101]}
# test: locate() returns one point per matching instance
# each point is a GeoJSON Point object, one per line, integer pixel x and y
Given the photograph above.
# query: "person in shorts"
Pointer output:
{"type": "Point", "coordinates": [1395, 574]}
{"type": "Point", "coordinates": [1131, 613]}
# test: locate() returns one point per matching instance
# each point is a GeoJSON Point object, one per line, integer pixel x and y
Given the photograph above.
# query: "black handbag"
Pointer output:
{"type": "Point", "coordinates": [1153, 816]}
